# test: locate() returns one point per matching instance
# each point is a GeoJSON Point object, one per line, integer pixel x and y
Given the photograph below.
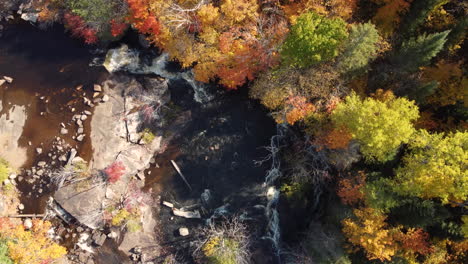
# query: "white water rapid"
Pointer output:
{"type": "Point", "coordinates": [125, 59]}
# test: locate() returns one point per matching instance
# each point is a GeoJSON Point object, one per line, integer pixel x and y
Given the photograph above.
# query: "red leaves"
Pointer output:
{"type": "Point", "coordinates": [79, 28]}
{"type": "Point", "coordinates": [114, 171]}
{"type": "Point", "coordinates": [117, 28]}
{"type": "Point", "coordinates": [415, 240]}
{"type": "Point", "coordinates": [350, 189]}
{"type": "Point", "coordinates": [141, 18]}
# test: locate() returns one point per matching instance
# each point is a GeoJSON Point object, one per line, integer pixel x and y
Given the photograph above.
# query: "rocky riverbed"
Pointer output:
{"type": "Point", "coordinates": [68, 128]}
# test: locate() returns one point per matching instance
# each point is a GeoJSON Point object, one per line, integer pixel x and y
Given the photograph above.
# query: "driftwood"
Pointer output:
{"type": "Point", "coordinates": [180, 174]}
{"type": "Point", "coordinates": [186, 214]}
{"type": "Point", "coordinates": [27, 216]}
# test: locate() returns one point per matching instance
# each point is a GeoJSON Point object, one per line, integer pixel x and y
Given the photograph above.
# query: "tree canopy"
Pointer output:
{"type": "Point", "coordinates": [313, 39]}
{"type": "Point", "coordinates": [380, 125]}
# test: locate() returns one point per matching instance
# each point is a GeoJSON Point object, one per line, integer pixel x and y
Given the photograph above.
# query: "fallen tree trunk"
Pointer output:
{"type": "Point", "coordinates": [27, 216]}
{"type": "Point", "coordinates": [180, 174]}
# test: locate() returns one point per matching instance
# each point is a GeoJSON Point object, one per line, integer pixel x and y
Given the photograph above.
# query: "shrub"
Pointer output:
{"type": "Point", "coordinates": [4, 258]}
{"type": "Point", "coordinates": [29, 246]}
{"type": "Point", "coordinates": [114, 171]}
{"type": "Point", "coordinates": [225, 244]}
{"type": "Point", "coordinates": [119, 218]}
{"type": "Point", "coordinates": [147, 136]}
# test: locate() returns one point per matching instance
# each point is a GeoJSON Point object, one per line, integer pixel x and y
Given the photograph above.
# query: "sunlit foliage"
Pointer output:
{"type": "Point", "coordinates": [313, 39]}
{"type": "Point", "coordinates": [370, 231]}
{"type": "Point", "coordinates": [30, 246]}
{"type": "Point", "coordinates": [381, 126]}
{"type": "Point", "coordinates": [435, 167]}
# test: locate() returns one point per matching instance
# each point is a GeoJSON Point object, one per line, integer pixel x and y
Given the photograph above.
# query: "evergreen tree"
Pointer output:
{"type": "Point", "coordinates": [360, 48]}
{"type": "Point", "coordinates": [313, 39]}
{"type": "Point", "coordinates": [418, 13]}
{"type": "Point", "coordinates": [418, 52]}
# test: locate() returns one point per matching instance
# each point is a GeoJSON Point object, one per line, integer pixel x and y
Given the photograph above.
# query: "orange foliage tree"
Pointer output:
{"type": "Point", "coordinates": [414, 241]}
{"type": "Point", "coordinates": [350, 188]}
{"type": "Point", "coordinates": [334, 138]}
{"type": "Point", "coordinates": [229, 41]}
{"type": "Point", "coordinates": [452, 82]}
{"type": "Point", "coordinates": [297, 109]}
{"type": "Point", "coordinates": [389, 14]}
{"type": "Point", "coordinates": [141, 18]}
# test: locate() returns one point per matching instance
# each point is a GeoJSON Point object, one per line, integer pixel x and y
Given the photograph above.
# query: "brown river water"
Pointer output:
{"type": "Point", "coordinates": [47, 67]}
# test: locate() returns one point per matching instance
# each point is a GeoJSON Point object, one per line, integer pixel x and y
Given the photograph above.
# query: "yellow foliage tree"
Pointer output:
{"type": "Point", "coordinates": [435, 167]}
{"type": "Point", "coordinates": [381, 124]}
{"type": "Point", "coordinates": [370, 231]}
{"type": "Point", "coordinates": [30, 246]}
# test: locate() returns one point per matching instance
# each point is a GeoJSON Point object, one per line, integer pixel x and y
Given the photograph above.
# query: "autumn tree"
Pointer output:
{"type": "Point", "coordinates": [334, 137]}
{"type": "Point", "coordinates": [100, 16]}
{"type": "Point", "coordinates": [380, 126]}
{"type": "Point", "coordinates": [322, 85]}
{"type": "Point", "coordinates": [313, 39]}
{"type": "Point", "coordinates": [297, 109]}
{"type": "Point", "coordinates": [388, 15]}
{"type": "Point", "coordinates": [451, 82]}
{"type": "Point", "coordinates": [80, 29]}
{"type": "Point", "coordinates": [418, 52]}
{"type": "Point", "coordinates": [351, 188]}
{"type": "Point", "coordinates": [360, 48]}
{"type": "Point", "coordinates": [370, 232]}
{"type": "Point", "coordinates": [30, 246]}
{"type": "Point", "coordinates": [227, 41]}
{"type": "Point", "coordinates": [435, 167]}
{"type": "Point", "coordinates": [412, 242]}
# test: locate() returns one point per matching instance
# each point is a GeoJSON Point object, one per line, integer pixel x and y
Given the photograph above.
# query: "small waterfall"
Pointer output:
{"type": "Point", "coordinates": [273, 232]}
{"type": "Point", "coordinates": [125, 59]}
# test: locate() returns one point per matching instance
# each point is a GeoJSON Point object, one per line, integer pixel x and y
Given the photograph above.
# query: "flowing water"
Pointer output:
{"type": "Point", "coordinates": [46, 67]}
{"type": "Point", "coordinates": [216, 151]}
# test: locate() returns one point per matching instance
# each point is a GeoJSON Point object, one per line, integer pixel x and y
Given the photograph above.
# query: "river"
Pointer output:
{"type": "Point", "coordinates": [216, 151]}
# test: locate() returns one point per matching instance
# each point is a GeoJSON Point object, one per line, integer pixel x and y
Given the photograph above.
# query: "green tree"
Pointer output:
{"type": "Point", "coordinates": [418, 52]}
{"type": "Point", "coordinates": [313, 39]}
{"type": "Point", "coordinates": [379, 125]}
{"type": "Point", "coordinates": [360, 47]}
{"type": "Point", "coordinates": [435, 167]}
{"type": "Point", "coordinates": [418, 13]}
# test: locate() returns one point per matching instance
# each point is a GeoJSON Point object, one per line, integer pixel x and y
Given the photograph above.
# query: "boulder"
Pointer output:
{"type": "Point", "coordinates": [183, 231]}
{"type": "Point", "coordinates": [97, 88]}
{"type": "Point", "coordinates": [8, 79]}
{"type": "Point", "coordinates": [27, 223]}
{"type": "Point", "coordinates": [99, 238]}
